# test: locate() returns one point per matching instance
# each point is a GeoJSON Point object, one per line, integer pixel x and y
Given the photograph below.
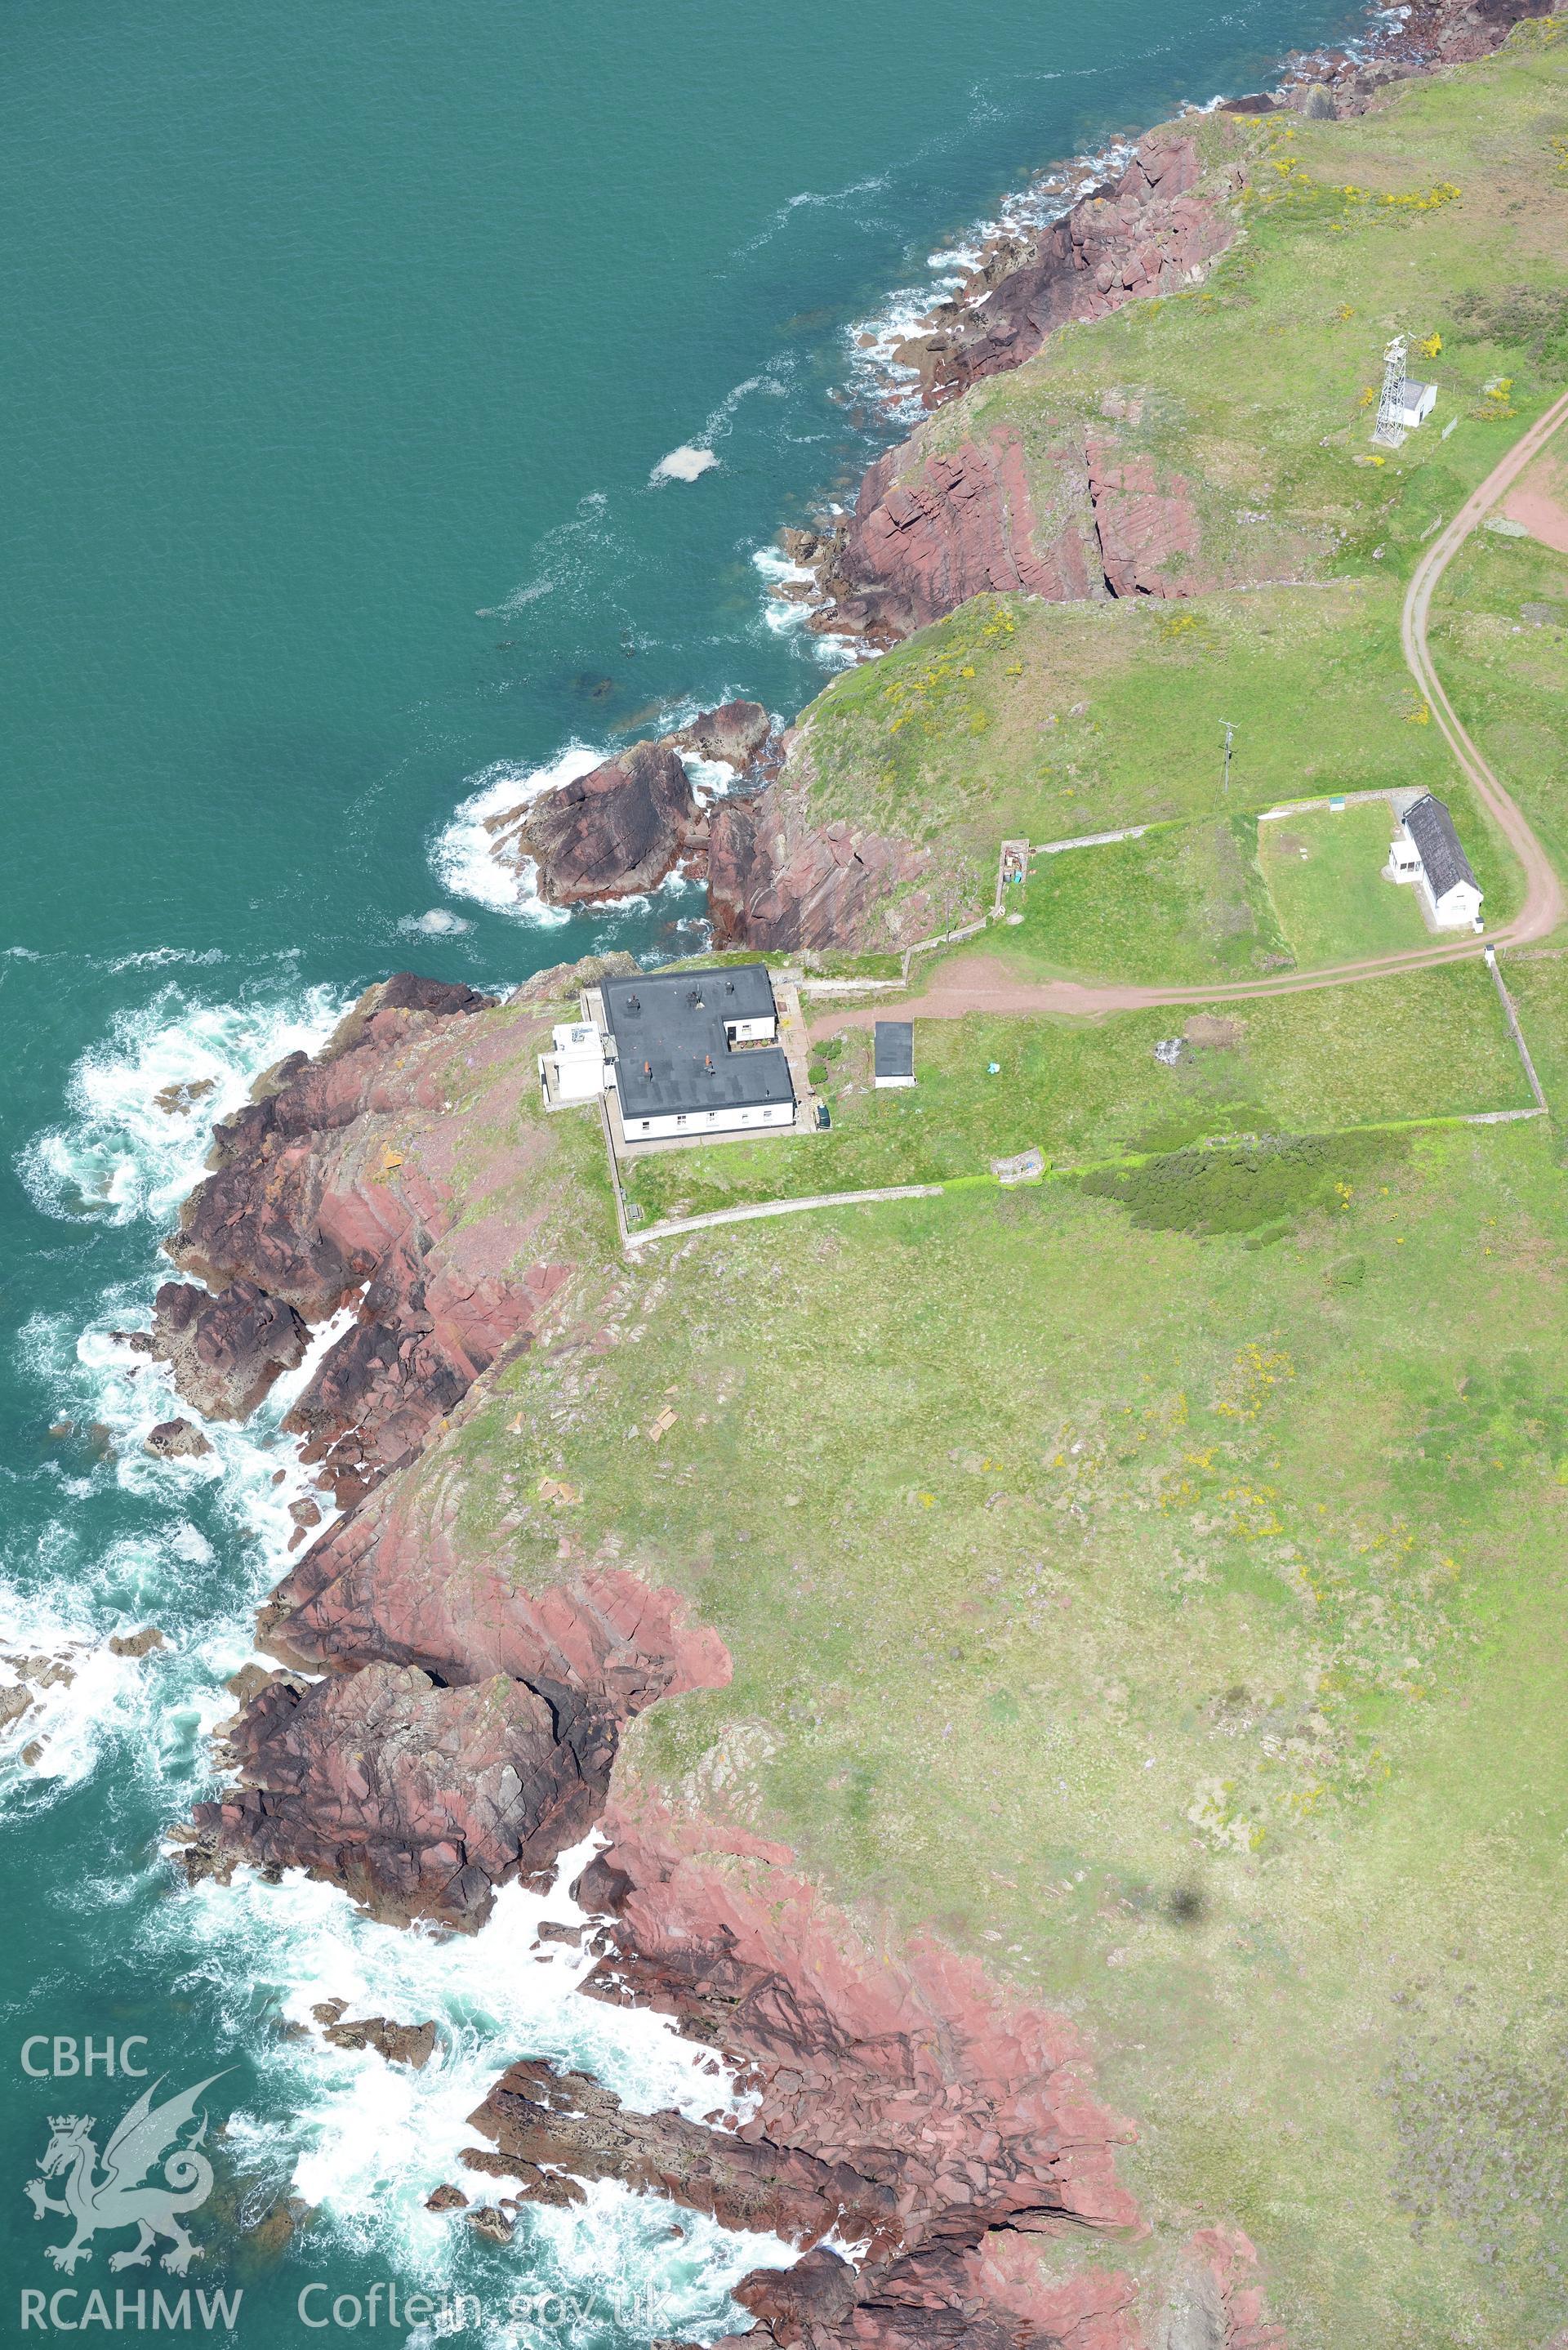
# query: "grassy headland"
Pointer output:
{"type": "Point", "coordinates": [1170, 1620]}
{"type": "Point", "coordinates": [1444, 212]}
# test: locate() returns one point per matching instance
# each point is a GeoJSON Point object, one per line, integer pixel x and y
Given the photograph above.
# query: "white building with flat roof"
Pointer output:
{"type": "Point", "coordinates": [573, 1070]}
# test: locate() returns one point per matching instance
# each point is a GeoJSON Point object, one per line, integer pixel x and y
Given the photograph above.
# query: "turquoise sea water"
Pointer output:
{"type": "Point", "coordinates": [341, 345]}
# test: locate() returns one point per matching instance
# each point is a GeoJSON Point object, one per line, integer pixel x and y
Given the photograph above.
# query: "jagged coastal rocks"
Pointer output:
{"type": "Point", "coordinates": [634, 820]}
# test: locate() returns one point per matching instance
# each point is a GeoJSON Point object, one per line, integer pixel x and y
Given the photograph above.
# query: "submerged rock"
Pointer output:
{"type": "Point", "coordinates": [400, 2043]}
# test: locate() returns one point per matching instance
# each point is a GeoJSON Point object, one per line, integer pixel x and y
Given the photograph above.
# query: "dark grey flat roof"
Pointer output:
{"type": "Point", "coordinates": [1443, 861]}
{"type": "Point", "coordinates": [894, 1048]}
{"type": "Point", "coordinates": [673, 1057]}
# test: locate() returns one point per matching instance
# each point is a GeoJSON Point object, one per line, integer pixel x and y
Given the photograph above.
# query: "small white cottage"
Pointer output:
{"type": "Point", "coordinates": [1426, 852]}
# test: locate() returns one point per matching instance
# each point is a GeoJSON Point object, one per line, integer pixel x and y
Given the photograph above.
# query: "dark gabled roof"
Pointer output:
{"type": "Point", "coordinates": [1443, 861]}
{"type": "Point", "coordinates": [894, 1048]}
{"type": "Point", "coordinates": [673, 1056]}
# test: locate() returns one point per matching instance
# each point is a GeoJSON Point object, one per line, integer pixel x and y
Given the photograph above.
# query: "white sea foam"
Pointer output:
{"type": "Point", "coordinates": [439, 923]}
{"type": "Point", "coordinates": [684, 465]}
{"type": "Point", "coordinates": [786, 616]}
{"type": "Point", "coordinates": [710, 779]}
{"type": "Point", "coordinates": [464, 855]}
{"type": "Point", "coordinates": [570, 560]}
{"type": "Point", "coordinates": [121, 1155]}
{"type": "Point", "coordinates": [893, 386]}
{"type": "Point", "coordinates": [125, 1156]}
{"type": "Point", "coordinates": [365, 2142]}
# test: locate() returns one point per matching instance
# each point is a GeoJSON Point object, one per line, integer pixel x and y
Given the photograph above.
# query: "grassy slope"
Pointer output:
{"type": "Point", "coordinates": [1430, 1044]}
{"type": "Point", "coordinates": [1179, 1624]}
{"type": "Point", "coordinates": [1252, 389]}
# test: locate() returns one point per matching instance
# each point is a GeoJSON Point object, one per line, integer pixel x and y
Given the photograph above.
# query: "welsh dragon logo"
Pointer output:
{"type": "Point", "coordinates": [117, 2196]}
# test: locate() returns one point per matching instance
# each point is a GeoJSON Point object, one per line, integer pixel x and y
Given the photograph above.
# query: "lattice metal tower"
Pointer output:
{"type": "Point", "coordinates": [1390, 432]}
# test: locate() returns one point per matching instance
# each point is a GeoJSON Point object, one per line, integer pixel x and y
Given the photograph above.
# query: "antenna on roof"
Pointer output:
{"type": "Point", "coordinates": [1390, 432]}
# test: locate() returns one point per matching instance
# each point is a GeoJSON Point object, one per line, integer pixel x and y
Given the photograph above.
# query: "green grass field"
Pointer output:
{"type": "Point", "coordinates": [1324, 874]}
{"type": "Point", "coordinates": [1014, 716]}
{"type": "Point", "coordinates": [1180, 1625]}
{"type": "Point", "coordinates": [1184, 902]}
{"type": "Point", "coordinates": [1432, 1044]}
{"type": "Point", "coordinates": [1231, 898]}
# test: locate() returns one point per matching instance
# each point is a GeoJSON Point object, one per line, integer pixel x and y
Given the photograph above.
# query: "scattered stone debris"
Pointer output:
{"type": "Point", "coordinates": [1167, 1052]}
{"type": "Point", "coordinates": [660, 1427]}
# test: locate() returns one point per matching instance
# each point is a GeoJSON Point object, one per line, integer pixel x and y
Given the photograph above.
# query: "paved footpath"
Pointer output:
{"type": "Point", "coordinates": [984, 984]}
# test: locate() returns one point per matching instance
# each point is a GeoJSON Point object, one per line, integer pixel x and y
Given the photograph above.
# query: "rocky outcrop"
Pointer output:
{"type": "Point", "coordinates": [629, 822]}
{"type": "Point", "coordinates": [613, 833]}
{"type": "Point", "coordinates": [738, 732]}
{"type": "Point", "coordinates": [928, 534]}
{"type": "Point", "coordinates": [907, 2108]}
{"type": "Point", "coordinates": [310, 1205]}
{"type": "Point", "coordinates": [223, 1352]}
{"type": "Point", "coordinates": [418, 1800]}
{"type": "Point", "coordinates": [1152, 230]}
{"type": "Point", "coordinates": [537, 2116]}
{"type": "Point", "coordinates": [378, 1588]}
{"type": "Point", "coordinates": [396, 2043]}
{"type": "Point", "coordinates": [1426, 33]}
{"type": "Point", "coordinates": [777, 879]}
{"type": "Point", "coordinates": [266, 1212]}
{"type": "Point", "coordinates": [562, 983]}
{"type": "Point", "coordinates": [1145, 525]}
{"type": "Point", "coordinates": [176, 1440]}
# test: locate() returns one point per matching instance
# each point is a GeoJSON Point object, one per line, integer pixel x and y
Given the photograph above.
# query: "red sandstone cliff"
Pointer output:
{"type": "Point", "coordinates": [778, 880]}
{"type": "Point", "coordinates": [903, 2106]}
{"type": "Point", "coordinates": [339, 1184]}
{"type": "Point", "coordinates": [1150, 232]}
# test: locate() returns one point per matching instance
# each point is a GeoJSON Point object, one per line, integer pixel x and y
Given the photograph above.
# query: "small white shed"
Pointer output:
{"type": "Point", "coordinates": [1415, 403]}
